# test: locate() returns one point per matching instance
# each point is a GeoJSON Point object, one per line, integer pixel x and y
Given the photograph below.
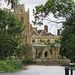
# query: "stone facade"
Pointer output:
{"type": "Point", "coordinates": [45, 52]}
{"type": "Point", "coordinates": [41, 50]}
{"type": "Point", "coordinates": [34, 38]}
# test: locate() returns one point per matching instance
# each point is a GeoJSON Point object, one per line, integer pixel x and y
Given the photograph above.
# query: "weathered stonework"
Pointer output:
{"type": "Point", "coordinates": [45, 52]}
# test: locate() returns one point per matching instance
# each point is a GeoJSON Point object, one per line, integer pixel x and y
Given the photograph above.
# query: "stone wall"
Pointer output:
{"type": "Point", "coordinates": [44, 38]}
{"type": "Point", "coordinates": [53, 62]}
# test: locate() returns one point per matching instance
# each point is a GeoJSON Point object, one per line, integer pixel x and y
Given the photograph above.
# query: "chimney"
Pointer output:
{"type": "Point", "coordinates": [36, 28]}
{"type": "Point", "coordinates": [58, 32]}
{"type": "Point", "coordinates": [46, 28]}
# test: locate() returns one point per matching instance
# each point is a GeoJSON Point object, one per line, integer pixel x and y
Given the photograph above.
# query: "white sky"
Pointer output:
{"type": "Point", "coordinates": [4, 5]}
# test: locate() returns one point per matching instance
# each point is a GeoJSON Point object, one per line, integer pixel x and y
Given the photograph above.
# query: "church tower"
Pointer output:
{"type": "Point", "coordinates": [23, 16]}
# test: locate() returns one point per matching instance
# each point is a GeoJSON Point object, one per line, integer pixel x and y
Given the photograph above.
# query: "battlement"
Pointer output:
{"type": "Point", "coordinates": [20, 9]}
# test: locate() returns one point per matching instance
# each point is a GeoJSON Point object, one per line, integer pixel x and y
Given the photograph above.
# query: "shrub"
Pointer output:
{"type": "Point", "coordinates": [15, 63]}
{"type": "Point", "coordinates": [28, 61]}
{"type": "Point", "coordinates": [62, 58]}
{"type": "Point", "coordinates": [10, 65]}
{"type": "Point", "coordinates": [4, 67]}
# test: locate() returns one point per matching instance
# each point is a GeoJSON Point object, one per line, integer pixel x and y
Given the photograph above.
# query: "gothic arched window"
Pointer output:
{"type": "Point", "coordinates": [22, 19]}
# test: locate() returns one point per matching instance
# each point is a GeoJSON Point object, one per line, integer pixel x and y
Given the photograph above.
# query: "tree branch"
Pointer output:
{"type": "Point", "coordinates": [54, 21]}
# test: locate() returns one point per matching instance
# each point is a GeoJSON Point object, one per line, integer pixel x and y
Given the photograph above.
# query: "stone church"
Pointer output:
{"type": "Point", "coordinates": [34, 38]}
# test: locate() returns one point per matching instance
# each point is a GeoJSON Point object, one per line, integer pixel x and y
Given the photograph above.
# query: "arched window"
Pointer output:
{"type": "Point", "coordinates": [33, 41]}
{"type": "Point", "coordinates": [22, 19]}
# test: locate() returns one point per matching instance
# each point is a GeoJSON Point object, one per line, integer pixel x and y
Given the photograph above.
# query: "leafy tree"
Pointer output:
{"type": "Point", "coordinates": [10, 34]}
{"type": "Point", "coordinates": [13, 2]}
{"type": "Point", "coordinates": [59, 8]}
{"type": "Point", "coordinates": [68, 38]}
{"type": "Point", "coordinates": [20, 51]}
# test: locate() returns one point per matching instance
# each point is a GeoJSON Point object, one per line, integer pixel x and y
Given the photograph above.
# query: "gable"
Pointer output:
{"type": "Point", "coordinates": [34, 32]}
{"type": "Point", "coordinates": [44, 33]}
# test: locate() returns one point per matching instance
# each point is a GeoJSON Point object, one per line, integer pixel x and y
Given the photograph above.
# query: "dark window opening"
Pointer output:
{"type": "Point", "coordinates": [46, 54]}
{"type": "Point", "coordinates": [40, 41]}
{"type": "Point", "coordinates": [51, 51]}
{"type": "Point", "coordinates": [33, 41]}
{"type": "Point", "coordinates": [36, 51]}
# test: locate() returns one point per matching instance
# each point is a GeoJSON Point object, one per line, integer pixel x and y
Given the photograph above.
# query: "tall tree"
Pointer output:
{"type": "Point", "coordinates": [10, 33]}
{"type": "Point", "coordinates": [13, 2]}
{"type": "Point", "coordinates": [68, 38]}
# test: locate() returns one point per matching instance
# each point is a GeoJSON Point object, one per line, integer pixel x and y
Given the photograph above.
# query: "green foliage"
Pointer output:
{"type": "Point", "coordinates": [57, 41]}
{"type": "Point", "coordinates": [13, 2]}
{"type": "Point", "coordinates": [61, 58]}
{"type": "Point", "coordinates": [52, 45]}
{"type": "Point", "coordinates": [10, 66]}
{"type": "Point", "coordinates": [14, 63]}
{"type": "Point", "coordinates": [20, 51]}
{"type": "Point", "coordinates": [28, 61]}
{"type": "Point", "coordinates": [68, 39]}
{"type": "Point", "coordinates": [10, 37]}
{"type": "Point", "coordinates": [59, 8]}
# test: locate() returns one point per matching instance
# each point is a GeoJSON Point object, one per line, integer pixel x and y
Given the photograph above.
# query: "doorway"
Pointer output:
{"type": "Point", "coordinates": [46, 54]}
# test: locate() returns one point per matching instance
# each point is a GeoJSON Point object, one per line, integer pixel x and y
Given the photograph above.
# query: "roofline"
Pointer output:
{"type": "Point", "coordinates": [44, 36]}
{"type": "Point", "coordinates": [35, 31]}
{"type": "Point", "coordinates": [43, 45]}
{"type": "Point", "coordinates": [43, 31]}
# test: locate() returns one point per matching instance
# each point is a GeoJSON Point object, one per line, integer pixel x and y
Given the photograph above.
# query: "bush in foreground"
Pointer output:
{"type": "Point", "coordinates": [28, 61]}
{"type": "Point", "coordinates": [10, 66]}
